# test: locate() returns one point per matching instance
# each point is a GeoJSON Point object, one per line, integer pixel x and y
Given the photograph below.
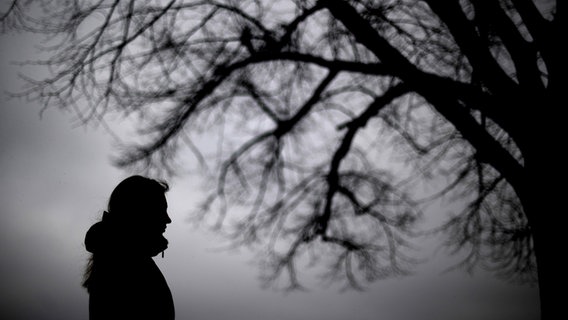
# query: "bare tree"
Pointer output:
{"type": "Point", "coordinates": [330, 118]}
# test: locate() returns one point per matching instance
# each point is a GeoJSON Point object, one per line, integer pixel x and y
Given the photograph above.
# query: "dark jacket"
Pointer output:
{"type": "Point", "coordinates": [124, 284]}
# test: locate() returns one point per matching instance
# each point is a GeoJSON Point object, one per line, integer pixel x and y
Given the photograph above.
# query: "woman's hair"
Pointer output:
{"type": "Point", "coordinates": [128, 198]}
{"type": "Point", "coordinates": [131, 195]}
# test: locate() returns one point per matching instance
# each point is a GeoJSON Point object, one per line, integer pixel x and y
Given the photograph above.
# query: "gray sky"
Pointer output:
{"type": "Point", "coordinates": [56, 179]}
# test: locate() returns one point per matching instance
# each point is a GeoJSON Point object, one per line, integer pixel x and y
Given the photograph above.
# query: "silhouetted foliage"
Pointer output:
{"type": "Point", "coordinates": [325, 123]}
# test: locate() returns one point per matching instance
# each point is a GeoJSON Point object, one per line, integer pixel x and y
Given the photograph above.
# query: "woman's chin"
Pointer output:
{"type": "Point", "coordinates": [159, 244]}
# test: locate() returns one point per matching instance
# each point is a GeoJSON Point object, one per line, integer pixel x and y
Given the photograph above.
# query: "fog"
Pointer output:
{"type": "Point", "coordinates": [56, 178]}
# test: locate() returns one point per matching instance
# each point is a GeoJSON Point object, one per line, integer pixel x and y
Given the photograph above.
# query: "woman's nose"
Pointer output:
{"type": "Point", "coordinates": [168, 220]}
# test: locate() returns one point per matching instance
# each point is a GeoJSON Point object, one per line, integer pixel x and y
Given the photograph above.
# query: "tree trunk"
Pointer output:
{"type": "Point", "coordinates": [542, 199]}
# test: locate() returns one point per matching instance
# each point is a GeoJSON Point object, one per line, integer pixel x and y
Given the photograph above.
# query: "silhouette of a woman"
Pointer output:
{"type": "Point", "coordinates": [122, 279]}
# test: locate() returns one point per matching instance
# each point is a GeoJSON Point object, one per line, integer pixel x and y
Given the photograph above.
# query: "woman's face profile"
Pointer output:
{"type": "Point", "coordinates": [150, 223]}
{"type": "Point", "coordinates": [154, 217]}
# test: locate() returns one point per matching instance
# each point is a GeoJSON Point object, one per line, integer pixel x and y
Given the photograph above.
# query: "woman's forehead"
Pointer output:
{"type": "Point", "coordinates": [154, 201]}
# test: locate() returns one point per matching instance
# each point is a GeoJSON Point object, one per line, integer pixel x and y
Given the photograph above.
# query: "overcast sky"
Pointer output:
{"type": "Point", "coordinates": [56, 178]}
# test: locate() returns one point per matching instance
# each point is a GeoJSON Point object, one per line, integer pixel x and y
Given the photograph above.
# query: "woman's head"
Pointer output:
{"type": "Point", "coordinates": [141, 202]}
{"type": "Point", "coordinates": [135, 220]}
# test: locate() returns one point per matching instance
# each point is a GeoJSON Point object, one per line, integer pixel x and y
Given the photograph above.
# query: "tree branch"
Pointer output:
{"type": "Point", "coordinates": [522, 52]}
{"type": "Point", "coordinates": [352, 128]}
{"type": "Point", "coordinates": [427, 86]}
{"type": "Point", "coordinates": [539, 28]}
{"type": "Point", "coordinates": [471, 45]}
